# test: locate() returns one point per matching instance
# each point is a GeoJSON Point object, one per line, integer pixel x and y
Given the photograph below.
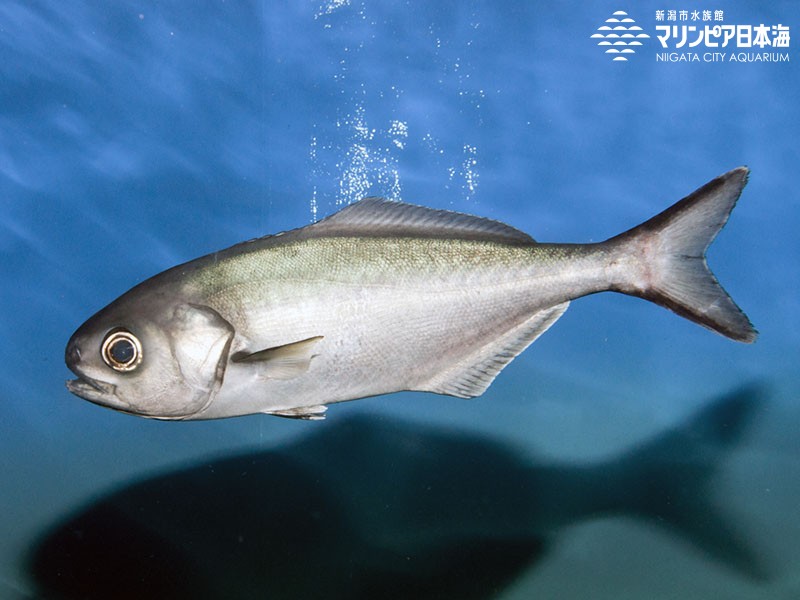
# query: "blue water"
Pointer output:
{"type": "Point", "coordinates": [137, 135]}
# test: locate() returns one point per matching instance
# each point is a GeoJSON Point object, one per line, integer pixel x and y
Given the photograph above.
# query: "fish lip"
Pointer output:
{"type": "Point", "coordinates": [103, 394]}
{"type": "Point", "coordinates": [96, 391]}
{"type": "Point", "coordinates": [82, 381]}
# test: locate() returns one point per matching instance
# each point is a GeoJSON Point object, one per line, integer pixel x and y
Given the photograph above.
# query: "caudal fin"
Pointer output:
{"type": "Point", "coordinates": [668, 254]}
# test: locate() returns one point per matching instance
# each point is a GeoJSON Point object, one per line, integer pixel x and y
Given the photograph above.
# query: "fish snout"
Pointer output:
{"type": "Point", "coordinates": [72, 355]}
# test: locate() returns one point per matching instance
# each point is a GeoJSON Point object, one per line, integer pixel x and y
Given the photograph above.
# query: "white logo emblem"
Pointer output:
{"type": "Point", "coordinates": [620, 36]}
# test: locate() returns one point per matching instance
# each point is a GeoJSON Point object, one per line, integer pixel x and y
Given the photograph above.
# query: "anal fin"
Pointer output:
{"type": "Point", "coordinates": [475, 372]}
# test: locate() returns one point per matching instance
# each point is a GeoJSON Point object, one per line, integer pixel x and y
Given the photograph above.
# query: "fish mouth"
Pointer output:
{"type": "Point", "coordinates": [96, 391]}
{"type": "Point", "coordinates": [104, 394]}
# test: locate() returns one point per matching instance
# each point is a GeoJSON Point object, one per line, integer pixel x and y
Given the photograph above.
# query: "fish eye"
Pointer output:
{"type": "Point", "coordinates": [121, 350]}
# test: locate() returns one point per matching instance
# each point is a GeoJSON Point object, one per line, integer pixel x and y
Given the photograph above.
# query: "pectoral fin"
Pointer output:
{"type": "Point", "coordinates": [282, 362]}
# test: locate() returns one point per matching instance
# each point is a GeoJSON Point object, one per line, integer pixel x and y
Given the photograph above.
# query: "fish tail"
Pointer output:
{"type": "Point", "coordinates": [664, 258]}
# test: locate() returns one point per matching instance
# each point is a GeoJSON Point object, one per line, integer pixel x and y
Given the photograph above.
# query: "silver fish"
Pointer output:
{"type": "Point", "coordinates": [380, 297]}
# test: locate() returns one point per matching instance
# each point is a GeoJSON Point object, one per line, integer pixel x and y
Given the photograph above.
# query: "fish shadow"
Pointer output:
{"type": "Point", "coordinates": [373, 507]}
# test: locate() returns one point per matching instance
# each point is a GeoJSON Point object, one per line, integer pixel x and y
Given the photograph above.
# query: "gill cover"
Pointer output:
{"type": "Point", "coordinates": [184, 364]}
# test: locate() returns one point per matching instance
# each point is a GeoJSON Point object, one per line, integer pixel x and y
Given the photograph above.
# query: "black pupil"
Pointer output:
{"type": "Point", "coordinates": [122, 351]}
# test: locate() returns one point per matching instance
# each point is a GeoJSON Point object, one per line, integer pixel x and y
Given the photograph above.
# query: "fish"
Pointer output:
{"type": "Point", "coordinates": [380, 297]}
{"type": "Point", "coordinates": [391, 508]}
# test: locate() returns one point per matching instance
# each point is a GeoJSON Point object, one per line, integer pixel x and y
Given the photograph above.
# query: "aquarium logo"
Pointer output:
{"type": "Point", "coordinates": [620, 36]}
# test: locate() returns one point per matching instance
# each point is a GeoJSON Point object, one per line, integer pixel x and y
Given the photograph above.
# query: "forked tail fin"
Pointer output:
{"type": "Point", "coordinates": [667, 256]}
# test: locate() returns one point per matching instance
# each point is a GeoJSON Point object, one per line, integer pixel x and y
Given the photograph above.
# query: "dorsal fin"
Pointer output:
{"type": "Point", "coordinates": [381, 217]}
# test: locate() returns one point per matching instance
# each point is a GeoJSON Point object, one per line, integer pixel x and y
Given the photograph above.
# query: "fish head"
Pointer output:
{"type": "Point", "coordinates": [151, 357]}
